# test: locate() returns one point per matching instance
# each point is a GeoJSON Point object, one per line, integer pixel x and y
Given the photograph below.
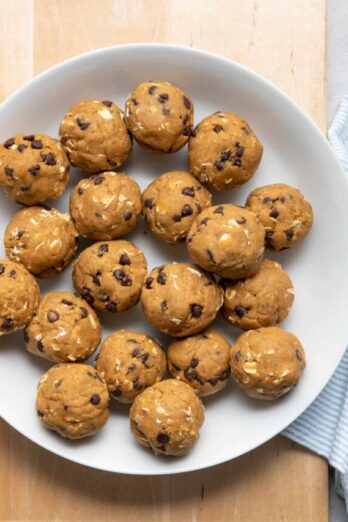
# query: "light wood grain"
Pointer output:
{"type": "Point", "coordinates": [285, 42]}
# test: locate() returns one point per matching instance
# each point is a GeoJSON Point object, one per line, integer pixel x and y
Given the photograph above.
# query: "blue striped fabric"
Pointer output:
{"type": "Point", "coordinates": [323, 427]}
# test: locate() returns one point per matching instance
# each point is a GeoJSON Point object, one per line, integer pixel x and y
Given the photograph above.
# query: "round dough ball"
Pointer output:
{"type": "Point", "coordinates": [130, 362]}
{"type": "Point", "coordinates": [72, 399]}
{"type": "Point", "coordinates": [110, 275]}
{"type": "Point", "coordinates": [224, 152]}
{"type": "Point", "coordinates": [180, 299]}
{"type": "Point", "coordinates": [263, 299]}
{"type": "Point", "coordinates": [19, 296]}
{"type": "Point", "coordinates": [202, 361]}
{"type": "Point", "coordinates": [166, 417]}
{"type": "Point", "coordinates": [160, 116]}
{"type": "Point", "coordinates": [267, 362]}
{"type": "Point", "coordinates": [95, 136]}
{"type": "Point", "coordinates": [171, 203]}
{"type": "Point", "coordinates": [42, 239]}
{"type": "Point", "coordinates": [227, 240]}
{"type": "Point", "coordinates": [284, 212]}
{"type": "Point", "coordinates": [105, 206]}
{"type": "Point", "coordinates": [63, 329]}
{"type": "Point", "coordinates": [33, 168]}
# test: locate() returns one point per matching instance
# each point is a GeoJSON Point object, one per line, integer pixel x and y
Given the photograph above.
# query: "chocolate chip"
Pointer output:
{"type": "Point", "coordinates": [36, 144]}
{"type": "Point", "coordinates": [12, 273]}
{"type": "Point", "coordinates": [103, 249]}
{"type": "Point", "coordinates": [124, 260]}
{"type": "Point", "coordinates": [236, 161]}
{"type": "Point", "coordinates": [52, 316]}
{"type": "Point", "coordinates": [29, 137]}
{"type": "Point", "coordinates": [224, 375]}
{"type": "Point", "coordinates": [94, 399]}
{"type": "Point", "coordinates": [187, 102]}
{"type": "Point", "coordinates": [43, 156]}
{"type": "Point", "coordinates": [135, 101]}
{"type": "Point", "coordinates": [21, 147]}
{"type": "Point", "coordinates": [66, 302]}
{"type": "Point", "coordinates": [268, 237]}
{"type": "Point", "coordinates": [196, 310]}
{"type": "Point", "coordinates": [51, 159]}
{"type": "Point", "coordinates": [8, 143]}
{"type": "Point", "coordinates": [84, 312]}
{"type": "Point", "coordinates": [176, 218]}
{"type": "Point", "coordinates": [107, 103]}
{"type": "Point", "coordinates": [188, 191]}
{"type": "Point", "coordinates": [241, 221]}
{"type": "Point", "coordinates": [239, 151]}
{"type": "Point", "coordinates": [149, 203]}
{"type": "Point", "coordinates": [152, 89]}
{"type": "Point", "coordinates": [163, 437]}
{"type": "Point", "coordinates": [274, 213]}
{"type": "Point", "coordinates": [267, 200]}
{"type": "Point", "coordinates": [82, 123]}
{"type": "Point", "coordinates": [194, 362]}
{"type": "Point", "coordinates": [186, 211]}
{"type": "Point", "coordinates": [237, 356]}
{"type": "Point", "coordinates": [40, 346]}
{"type": "Point", "coordinates": [213, 381]}
{"type": "Point", "coordinates": [219, 210]}
{"type": "Point", "coordinates": [165, 111]}
{"type": "Point", "coordinates": [96, 278]}
{"type": "Point", "coordinates": [127, 215]}
{"type": "Point", "coordinates": [144, 357]}
{"type": "Point", "coordinates": [240, 311]}
{"type": "Point", "coordinates": [98, 180]}
{"type": "Point", "coordinates": [185, 119]}
{"type": "Point", "coordinates": [162, 98]}
{"type": "Point", "coordinates": [289, 234]}
{"type": "Point", "coordinates": [161, 278]}
{"type": "Point", "coordinates": [112, 163]}
{"type": "Point", "coordinates": [282, 199]}
{"type": "Point", "coordinates": [88, 297]}
{"type": "Point", "coordinates": [218, 128]}
{"type": "Point", "coordinates": [148, 283]}
{"type": "Point", "coordinates": [122, 278]}
{"type": "Point", "coordinates": [245, 130]}
{"type": "Point", "coordinates": [80, 191]}
{"type": "Point", "coordinates": [131, 368]}
{"type": "Point", "coordinates": [34, 170]}
{"type": "Point", "coordinates": [104, 298]}
{"type": "Point", "coordinates": [187, 130]}
{"type": "Point", "coordinates": [2, 269]}
{"type": "Point", "coordinates": [40, 414]}
{"type": "Point", "coordinates": [211, 256]}
{"type": "Point", "coordinates": [111, 307]}
{"type": "Point", "coordinates": [137, 351]}
{"type": "Point", "coordinates": [9, 172]}
{"type": "Point", "coordinates": [204, 221]}
{"type": "Point", "coordinates": [7, 323]}
{"type": "Point", "coordinates": [137, 384]}
{"type": "Point", "coordinates": [117, 392]}
{"type": "Point", "coordinates": [225, 155]}
{"type": "Point", "coordinates": [198, 207]}
{"type": "Point", "coordinates": [189, 374]}
{"type": "Point", "coordinates": [219, 164]}
{"type": "Point", "coordinates": [164, 305]}
{"type": "Point", "coordinates": [298, 354]}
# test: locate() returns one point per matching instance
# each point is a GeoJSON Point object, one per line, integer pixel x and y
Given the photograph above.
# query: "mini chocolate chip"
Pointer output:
{"type": "Point", "coordinates": [12, 273]}
{"type": "Point", "coordinates": [9, 172]}
{"type": "Point", "coordinates": [194, 362]}
{"type": "Point", "coordinates": [237, 356]}
{"type": "Point", "coordinates": [122, 278]}
{"type": "Point", "coordinates": [66, 302]}
{"type": "Point", "coordinates": [268, 237]}
{"type": "Point", "coordinates": [137, 384]}
{"type": "Point", "coordinates": [88, 297]}
{"type": "Point", "coordinates": [21, 147]}
{"type": "Point", "coordinates": [185, 119]}
{"type": "Point", "coordinates": [224, 375]}
{"type": "Point", "coordinates": [211, 256]}
{"type": "Point", "coordinates": [282, 199]}
{"type": "Point", "coordinates": [219, 164]}
{"type": "Point", "coordinates": [40, 414]}
{"type": "Point", "coordinates": [8, 143]}
{"type": "Point", "coordinates": [187, 130]}
{"type": "Point", "coordinates": [239, 151]}
{"type": "Point", "coordinates": [240, 311]}
{"type": "Point", "coordinates": [204, 221]}
{"type": "Point", "coordinates": [40, 346]}
{"type": "Point", "coordinates": [188, 191]}
{"type": "Point", "coordinates": [82, 123]}
{"type": "Point", "coordinates": [162, 98]}
{"type": "Point", "coordinates": [236, 161]}
{"type": "Point", "coordinates": [186, 211]}
{"type": "Point", "coordinates": [20, 233]}
{"type": "Point", "coordinates": [213, 381]}
{"type": "Point", "coordinates": [96, 278]}
{"type": "Point", "coordinates": [144, 357]}
{"type": "Point", "coordinates": [51, 159]}
{"type": "Point", "coordinates": [94, 399]}
{"type": "Point", "coordinates": [152, 89]}
{"type": "Point", "coordinates": [165, 111]}
{"type": "Point", "coordinates": [298, 354]}
{"type": "Point", "coordinates": [117, 392]}
{"type": "Point", "coordinates": [148, 283]}
{"type": "Point", "coordinates": [149, 203]}
{"type": "Point", "coordinates": [161, 278]}
{"type": "Point", "coordinates": [164, 305]}
{"type": "Point", "coordinates": [2, 269]}
{"type": "Point", "coordinates": [124, 260]}
{"type": "Point", "coordinates": [196, 310]}
{"type": "Point", "coordinates": [107, 103]}
{"type": "Point", "coordinates": [84, 312]}
{"type": "Point", "coordinates": [29, 137]}
{"type": "Point", "coordinates": [219, 210]}
{"type": "Point", "coordinates": [127, 215]}
{"type": "Point", "coordinates": [103, 249]}
{"type": "Point", "coordinates": [112, 163]}
{"type": "Point", "coordinates": [241, 221]}
{"type": "Point", "coordinates": [52, 316]}
{"type": "Point", "coordinates": [218, 128]}
{"type": "Point", "coordinates": [36, 144]}
{"type": "Point", "coordinates": [245, 130]}
{"type": "Point", "coordinates": [176, 218]}
{"type": "Point", "coordinates": [7, 323]}
{"type": "Point", "coordinates": [98, 180]}
{"type": "Point", "coordinates": [189, 374]}
{"type": "Point", "coordinates": [80, 191]}
{"type": "Point", "coordinates": [111, 307]}
{"type": "Point", "coordinates": [131, 368]}
{"type": "Point", "coordinates": [225, 155]}
{"type": "Point", "coordinates": [135, 101]}
{"type": "Point", "coordinates": [187, 102]}
{"type": "Point", "coordinates": [43, 156]}
{"type": "Point", "coordinates": [289, 234]}
{"type": "Point", "coordinates": [34, 170]}
{"type": "Point", "coordinates": [267, 200]}
{"type": "Point", "coordinates": [98, 214]}
{"type": "Point", "coordinates": [136, 351]}
{"type": "Point", "coordinates": [274, 213]}
{"type": "Point", "coordinates": [198, 207]}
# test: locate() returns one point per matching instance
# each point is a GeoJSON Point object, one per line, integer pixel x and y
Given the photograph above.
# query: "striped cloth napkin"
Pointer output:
{"type": "Point", "coordinates": [323, 427]}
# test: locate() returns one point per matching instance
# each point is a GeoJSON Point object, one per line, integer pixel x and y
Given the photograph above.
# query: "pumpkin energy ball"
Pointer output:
{"type": "Point", "coordinates": [33, 168]}
{"type": "Point", "coordinates": [171, 203]}
{"type": "Point", "coordinates": [63, 329]}
{"type": "Point", "coordinates": [167, 417]}
{"type": "Point", "coordinates": [19, 296]}
{"type": "Point", "coordinates": [180, 299]}
{"type": "Point", "coordinates": [42, 239]}
{"type": "Point", "coordinates": [94, 136]}
{"type": "Point", "coordinates": [109, 275]}
{"type": "Point", "coordinates": [227, 240]}
{"type": "Point", "coordinates": [105, 206]}
{"type": "Point", "coordinates": [263, 299]}
{"type": "Point", "coordinates": [284, 212]}
{"type": "Point", "coordinates": [224, 152]}
{"type": "Point", "coordinates": [202, 361]}
{"type": "Point", "coordinates": [160, 116]}
{"type": "Point", "coordinates": [130, 362]}
{"type": "Point", "coordinates": [268, 362]}
{"type": "Point", "coordinates": [72, 399]}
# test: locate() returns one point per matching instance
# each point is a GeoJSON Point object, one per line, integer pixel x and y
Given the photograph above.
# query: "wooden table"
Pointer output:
{"type": "Point", "coordinates": [284, 40]}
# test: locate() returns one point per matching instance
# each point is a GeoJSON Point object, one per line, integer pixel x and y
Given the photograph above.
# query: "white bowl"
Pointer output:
{"type": "Point", "coordinates": [295, 152]}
